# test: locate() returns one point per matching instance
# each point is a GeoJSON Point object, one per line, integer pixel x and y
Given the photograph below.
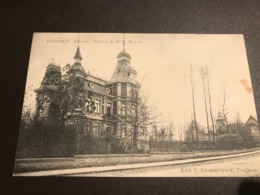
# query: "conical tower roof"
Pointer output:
{"type": "Point", "coordinates": [77, 64]}
{"type": "Point", "coordinates": [78, 55]}
{"type": "Point", "coordinates": [220, 116]}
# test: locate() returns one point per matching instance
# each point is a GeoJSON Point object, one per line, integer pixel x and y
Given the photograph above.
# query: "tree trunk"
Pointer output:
{"type": "Point", "coordinates": [194, 110]}
{"type": "Point", "coordinates": [203, 76]}
{"type": "Point", "coordinates": [135, 139]}
{"type": "Point", "coordinates": [206, 109]}
{"type": "Point", "coordinates": [77, 138]}
{"type": "Point", "coordinates": [224, 113]}
{"type": "Point", "coordinates": [210, 108]}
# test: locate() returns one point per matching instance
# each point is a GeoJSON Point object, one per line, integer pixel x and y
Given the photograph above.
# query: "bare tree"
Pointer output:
{"type": "Point", "coordinates": [180, 135]}
{"type": "Point", "coordinates": [203, 77]}
{"type": "Point", "coordinates": [154, 132]}
{"type": "Point", "coordinates": [224, 111]}
{"type": "Point", "coordinates": [139, 116]}
{"type": "Point", "coordinates": [210, 107]}
{"type": "Point", "coordinates": [170, 128]}
{"type": "Point", "coordinates": [193, 104]}
{"type": "Point", "coordinates": [189, 133]}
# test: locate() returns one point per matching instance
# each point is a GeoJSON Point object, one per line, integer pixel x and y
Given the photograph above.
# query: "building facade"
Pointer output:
{"type": "Point", "coordinates": [252, 125]}
{"type": "Point", "coordinates": [107, 103]}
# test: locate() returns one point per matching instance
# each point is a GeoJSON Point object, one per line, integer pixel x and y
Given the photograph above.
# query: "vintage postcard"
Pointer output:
{"type": "Point", "coordinates": [138, 105]}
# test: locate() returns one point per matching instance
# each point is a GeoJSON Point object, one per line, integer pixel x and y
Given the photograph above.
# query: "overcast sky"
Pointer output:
{"type": "Point", "coordinates": [165, 60]}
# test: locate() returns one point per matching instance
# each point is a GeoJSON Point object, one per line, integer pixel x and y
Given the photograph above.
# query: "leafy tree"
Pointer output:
{"type": "Point", "coordinates": [61, 103]}
{"type": "Point", "coordinates": [27, 118]}
{"type": "Point", "coordinates": [64, 96]}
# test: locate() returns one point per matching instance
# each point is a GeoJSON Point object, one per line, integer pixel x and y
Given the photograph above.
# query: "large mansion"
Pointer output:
{"type": "Point", "coordinates": [111, 98]}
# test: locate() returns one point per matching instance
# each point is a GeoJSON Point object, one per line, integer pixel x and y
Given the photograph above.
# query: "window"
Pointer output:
{"type": "Point", "coordinates": [41, 113]}
{"type": "Point", "coordinates": [109, 109]}
{"type": "Point", "coordinates": [96, 129]}
{"type": "Point", "coordinates": [115, 108]}
{"type": "Point", "coordinates": [132, 93]}
{"type": "Point", "coordinates": [123, 111]}
{"type": "Point", "coordinates": [123, 90]}
{"type": "Point", "coordinates": [97, 105]}
{"type": "Point", "coordinates": [119, 108]}
{"type": "Point", "coordinates": [114, 90]}
{"type": "Point", "coordinates": [253, 129]}
{"type": "Point", "coordinates": [103, 109]}
{"type": "Point", "coordinates": [89, 107]}
{"type": "Point", "coordinates": [123, 130]}
{"type": "Point", "coordinates": [54, 111]}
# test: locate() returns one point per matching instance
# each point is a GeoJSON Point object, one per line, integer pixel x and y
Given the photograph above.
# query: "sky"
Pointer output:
{"type": "Point", "coordinates": [163, 62]}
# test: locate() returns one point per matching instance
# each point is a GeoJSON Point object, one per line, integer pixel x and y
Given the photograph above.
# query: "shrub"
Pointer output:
{"type": "Point", "coordinates": [185, 148]}
{"type": "Point", "coordinates": [229, 141]}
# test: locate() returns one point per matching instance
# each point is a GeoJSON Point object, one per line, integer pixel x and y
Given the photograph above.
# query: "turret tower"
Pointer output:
{"type": "Point", "coordinates": [77, 69]}
{"type": "Point", "coordinates": [123, 86]}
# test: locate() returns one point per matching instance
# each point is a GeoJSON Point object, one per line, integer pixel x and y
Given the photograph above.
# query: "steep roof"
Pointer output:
{"type": "Point", "coordinates": [77, 64]}
{"type": "Point", "coordinates": [220, 116]}
{"type": "Point", "coordinates": [78, 55]}
{"type": "Point", "coordinates": [121, 73]}
{"type": "Point", "coordinates": [124, 72]}
{"type": "Point", "coordinates": [251, 121]}
{"type": "Point", "coordinates": [96, 79]}
{"type": "Point", "coordinates": [124, 54]}
{"type": "Point", "coordinates": [77, 67]}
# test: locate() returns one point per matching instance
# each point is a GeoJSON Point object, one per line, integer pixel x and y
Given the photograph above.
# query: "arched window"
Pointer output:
{"type": "Point", "coordinates": [54, 112]}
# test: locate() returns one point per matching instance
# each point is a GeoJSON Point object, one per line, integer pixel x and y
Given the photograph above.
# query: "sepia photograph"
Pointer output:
{"type": "Point", "coordinates": [138, 105]}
